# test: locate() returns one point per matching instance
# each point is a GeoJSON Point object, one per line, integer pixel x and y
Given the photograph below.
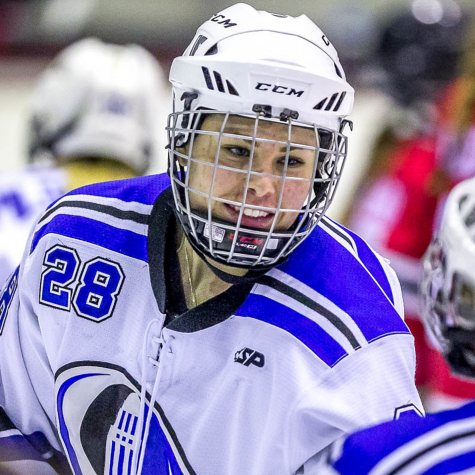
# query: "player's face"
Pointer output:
{"type": "Point", "coordinates": [268, 161]}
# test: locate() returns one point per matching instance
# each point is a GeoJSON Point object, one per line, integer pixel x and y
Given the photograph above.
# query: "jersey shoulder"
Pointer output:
{"type": "Point", "coordinates": [143, 190]}
{"type": "Point", "coordinates": [440, 443]}
{"type": "Point", "coordinates": [113, 215]}
{"type": "Point", "coordinates": [334, 294]}
{"type": "Point", "coordinates": [337, 263]}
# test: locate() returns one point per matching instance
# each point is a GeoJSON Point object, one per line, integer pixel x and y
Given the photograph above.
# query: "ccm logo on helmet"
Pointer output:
{"type": "Point", "coordinates": [222, 20]}
{"type": "Point", "coordinates": [262, 86]}
{"type": "Point", "coordinates": [247, 241]}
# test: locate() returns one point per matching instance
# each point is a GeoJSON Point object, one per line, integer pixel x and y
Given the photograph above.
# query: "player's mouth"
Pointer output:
{"type": "Point", "coordinates": [251, 218]}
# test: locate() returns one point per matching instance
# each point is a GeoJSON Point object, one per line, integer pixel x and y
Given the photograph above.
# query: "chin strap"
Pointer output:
{"type": "Point", "coordinates": [250, 276]}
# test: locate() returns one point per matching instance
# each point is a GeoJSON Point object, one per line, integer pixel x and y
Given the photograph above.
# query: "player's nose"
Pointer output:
{"type": "Point", "coordinates": [263, 181]}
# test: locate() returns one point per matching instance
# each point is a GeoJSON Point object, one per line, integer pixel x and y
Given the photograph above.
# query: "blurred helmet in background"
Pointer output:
{"type": "Point", "coordinates": [448, 284]}
{"type": "Point", "coordinates": [420, 49]}
{"type": "Point", "coordinates": [98, 100]}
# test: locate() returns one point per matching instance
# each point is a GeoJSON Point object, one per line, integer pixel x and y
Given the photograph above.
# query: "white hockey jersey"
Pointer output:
{"type": "Point", "coordinates": [24, 195]}
{"type": "Point", "coordinates": [255, 381]}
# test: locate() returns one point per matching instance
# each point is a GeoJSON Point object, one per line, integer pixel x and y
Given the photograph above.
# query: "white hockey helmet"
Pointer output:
{"type": "Point", "coordinates": [265, 67]}
{"type": "Point", "coordinates": [98, 100]}
{"type": "Point", "coordinates": [448, 284]}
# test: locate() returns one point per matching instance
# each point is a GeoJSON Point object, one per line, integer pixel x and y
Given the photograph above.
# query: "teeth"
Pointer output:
{"type": "Point", "coordinates": [254, 213]}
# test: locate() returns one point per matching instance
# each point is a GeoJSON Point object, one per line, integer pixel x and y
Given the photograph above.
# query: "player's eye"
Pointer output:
{"type": "Point", "coordinates": [237, 151]}
{"type": "Point", "coordinates": [292, 162]}
{"type": "Point", "coordinates": [295, 161]}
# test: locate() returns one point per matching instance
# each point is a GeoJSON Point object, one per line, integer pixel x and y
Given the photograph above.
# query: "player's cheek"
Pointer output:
{"type": "Point", "coordinates": [294, 197]}
{"type": "Point", "coordinates": [295, 193]}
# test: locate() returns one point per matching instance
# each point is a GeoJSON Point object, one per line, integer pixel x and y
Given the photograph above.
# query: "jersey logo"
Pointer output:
{"type": "Point", "coordinates": [98, 409]}
{"type": "Point", "coordinates": [248, 357]}
{"type": "Point", "coordinates": [91, 288]}
{"type": "Point", "coordinates": [6, 297]}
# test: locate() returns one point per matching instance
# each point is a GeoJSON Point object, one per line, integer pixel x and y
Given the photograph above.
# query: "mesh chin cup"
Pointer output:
{"type": "Point", "coordinates": [232, 238]}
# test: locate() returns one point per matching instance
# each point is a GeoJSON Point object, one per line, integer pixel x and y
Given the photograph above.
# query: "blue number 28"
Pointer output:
{"type": "Point", "coordinates": [93, 295]}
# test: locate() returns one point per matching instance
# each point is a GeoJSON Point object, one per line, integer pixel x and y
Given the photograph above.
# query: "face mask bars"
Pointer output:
{"type": "Point", "coordinates": [328, 163]}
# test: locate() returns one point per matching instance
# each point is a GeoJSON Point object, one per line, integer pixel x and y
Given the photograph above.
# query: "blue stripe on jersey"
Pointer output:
{"type": "Point", "coordinates": [323, 264]}
{"type": "Point", "coordinates": [363, 450]}
{"type": "Point", "coordinates": [95, 232]}
{"type": "Point", "coordinates": [454, 465]}
{"type": "Point", "coordinates": [370, 261]}
{"type": "Point", "coordinates": [144, 189]}
{"type": "Point", "coordinates": [301, 327]}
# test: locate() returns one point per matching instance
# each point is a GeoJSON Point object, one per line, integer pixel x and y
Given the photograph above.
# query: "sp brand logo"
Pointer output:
{"type": "Point", "coordinates": [288, 91]}
{"type": "Point", "coordinates": [248, 357]}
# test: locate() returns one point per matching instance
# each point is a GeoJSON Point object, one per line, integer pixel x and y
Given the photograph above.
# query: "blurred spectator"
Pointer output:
{"type": "Point", "coordinates": [93, 118]}
{"type": "Point", "coordinates": [418, 158]}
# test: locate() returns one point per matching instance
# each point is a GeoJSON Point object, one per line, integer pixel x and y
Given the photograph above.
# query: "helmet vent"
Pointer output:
{"type": "Point", "coordinates": [231, 89]}
{"type": "Point", "coordinates": [207, 76]}
{"type": "Point", "coordinates": [332, 100]}
{"type": "Point", "coordinates": [470, 219]}
{"type": "Point", "coordinates": [320, 104]}
{"type": "Point", "coordinates": [199, 41]}
{"type": "Point", "coordinates": [219, 81]}
{"type": "Point", "coordinates": [212, 50]}
{"type": "Point", "coordinates": [338, 104]}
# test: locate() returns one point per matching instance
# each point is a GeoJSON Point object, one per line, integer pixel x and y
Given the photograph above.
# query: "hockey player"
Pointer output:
{"type": "Point", "coordinates": [95, 117]}
{"type": "Point", "coordinates": [212, 320]}
{"type": "Point", "coordinates": [441, 443]}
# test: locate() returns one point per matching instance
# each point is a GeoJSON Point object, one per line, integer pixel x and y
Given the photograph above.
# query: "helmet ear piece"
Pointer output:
{"type": "Point", "coordinates": [41, 142]}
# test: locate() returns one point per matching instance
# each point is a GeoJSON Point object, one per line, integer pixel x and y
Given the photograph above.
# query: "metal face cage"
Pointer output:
{"type": "Point", "coordinates": [249, 189]}
{"type": "Point", "coordinates": [433, 296]}
{"type": "Point", "coordinates": [449, 310]}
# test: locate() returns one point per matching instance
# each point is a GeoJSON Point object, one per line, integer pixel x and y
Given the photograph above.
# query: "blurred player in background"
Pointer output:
{"type": "Point", "coordinates": [212, 319]}
{"type": "Point", "coordinates": [94, 117]}
{"type": "Point", "coordinates": [442, 443]}
{"type": "Point", "coordinates": [419, 157]}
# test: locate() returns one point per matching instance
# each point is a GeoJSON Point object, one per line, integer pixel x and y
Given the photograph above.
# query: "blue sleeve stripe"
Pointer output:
{"type": "Point", "coordinates": [338, 276]}
{"type": "Point", "coordinates": [412, 445]}
{"type": "Point", "coordinates": [139, 218]}
{"type": "Point", "coordinates": [302, 328]}
{"type": "Point", "coordinates": [460, 464]}
{"type": "Point", "coordinates": [89, 230]}
{"type": "Point", "coordinates": [372, 263]}
{"type": "Point", "coordinates": [453, 442]}
{"type": "Point", "coordinates": [337, 230]}
{"type": "Point", "coordinates": [295, 294]}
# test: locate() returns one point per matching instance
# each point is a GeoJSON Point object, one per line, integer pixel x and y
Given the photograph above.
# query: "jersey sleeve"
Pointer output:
{"type": "Point", "coordinates": [385, 368]}
{"type": "Point", "coordinates": [28, 443]}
